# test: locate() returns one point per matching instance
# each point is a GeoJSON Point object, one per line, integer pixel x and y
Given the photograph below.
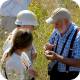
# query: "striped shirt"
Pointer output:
{"type": "Point", "coordinates": [62, 39]}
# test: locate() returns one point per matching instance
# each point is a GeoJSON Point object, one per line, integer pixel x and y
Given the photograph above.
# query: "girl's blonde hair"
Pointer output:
{"type": "Point", "coordinates": [22, 39]}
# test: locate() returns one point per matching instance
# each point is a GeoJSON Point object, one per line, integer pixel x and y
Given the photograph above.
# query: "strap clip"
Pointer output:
{"type": "Point", "coordinates": [67, 72]}
{"type": "Point", "coordinates": [70, 49]}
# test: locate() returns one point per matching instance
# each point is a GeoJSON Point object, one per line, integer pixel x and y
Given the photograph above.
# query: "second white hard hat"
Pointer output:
{"type": "Point", "coordinates": [26, 17]}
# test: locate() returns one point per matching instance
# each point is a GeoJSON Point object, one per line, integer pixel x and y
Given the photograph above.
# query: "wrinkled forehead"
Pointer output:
{"type": "Point", "coordinates": [59, 21]}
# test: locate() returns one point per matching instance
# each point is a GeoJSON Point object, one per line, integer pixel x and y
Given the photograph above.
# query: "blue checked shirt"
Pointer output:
{"type": "Point", "coordinates": [62, 39]}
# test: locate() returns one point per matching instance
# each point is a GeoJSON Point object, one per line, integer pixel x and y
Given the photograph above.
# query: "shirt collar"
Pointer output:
{"type": "Point", "coordinates": [13, 33]}
{"type": "Point", "coordinates": [15, 55]}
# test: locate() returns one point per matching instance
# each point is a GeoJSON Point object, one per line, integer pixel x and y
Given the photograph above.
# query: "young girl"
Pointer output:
{"type": "Point", "coordinates": [12, 66]}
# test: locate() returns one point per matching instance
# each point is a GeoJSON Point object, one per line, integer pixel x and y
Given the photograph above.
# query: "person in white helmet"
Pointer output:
{"type": "Point", "coordinates": [28, 20]}
{"type": "Point", "coordinates": [9, 10]}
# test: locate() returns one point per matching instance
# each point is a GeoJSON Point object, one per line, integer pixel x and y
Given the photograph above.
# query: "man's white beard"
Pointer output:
{"type": "Point", "coordinates": [63, 29]}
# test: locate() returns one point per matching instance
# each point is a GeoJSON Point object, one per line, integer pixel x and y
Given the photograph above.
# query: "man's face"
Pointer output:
{"type": "Point", "coordinates": [60, 26]}
{"type": "Point", "coordinates": [30, 27]}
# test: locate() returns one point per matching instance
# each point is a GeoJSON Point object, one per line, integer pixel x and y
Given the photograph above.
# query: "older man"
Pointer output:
{"type": "Point", "coordinates": [9, 10]}
{"type": "Point", "coordinates": [66, 68]}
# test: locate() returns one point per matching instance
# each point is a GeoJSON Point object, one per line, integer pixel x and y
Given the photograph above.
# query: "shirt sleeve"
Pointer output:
{"type": "Point", "coordinates": [7, 44]}
{"type": "Point", "coordinates": [33, 49]}
{"type": "Point", "coordinates": [76, 47]}
{"type": "Point", "coordinates": [22, 2]}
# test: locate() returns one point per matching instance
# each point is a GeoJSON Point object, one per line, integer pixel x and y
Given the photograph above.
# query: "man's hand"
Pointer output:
{"type": "Point", "coordinates": [33, 73]}
{"type": "Point", "coordinates": [48, 46]}
{"type": "Point", "coordinates": [50, 55]}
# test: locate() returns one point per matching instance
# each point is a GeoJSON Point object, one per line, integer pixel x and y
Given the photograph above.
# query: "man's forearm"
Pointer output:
{"type": "Point", "coordinates": [68, 61]}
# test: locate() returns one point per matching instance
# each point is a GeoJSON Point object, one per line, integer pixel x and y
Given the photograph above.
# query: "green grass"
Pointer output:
{"type": "Point", "coordinates": [43, 9]}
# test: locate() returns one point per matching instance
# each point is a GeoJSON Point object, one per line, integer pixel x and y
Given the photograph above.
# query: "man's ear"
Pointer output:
{"type": "Point", "coordinates": [66, 21]}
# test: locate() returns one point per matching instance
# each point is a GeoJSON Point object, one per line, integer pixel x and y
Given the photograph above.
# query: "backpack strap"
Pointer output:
{"type": "Point", "coordinates": [5, 73]}
{"type": "Point", "coordinates": [71, 48]}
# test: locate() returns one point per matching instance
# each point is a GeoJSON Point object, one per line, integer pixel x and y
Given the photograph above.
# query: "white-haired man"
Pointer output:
{"type": "Point", "coordinates": [67, 64]}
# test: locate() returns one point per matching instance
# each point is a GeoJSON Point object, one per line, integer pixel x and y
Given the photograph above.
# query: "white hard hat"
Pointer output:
{"type": "Point", "coordinates": [26, 17]}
